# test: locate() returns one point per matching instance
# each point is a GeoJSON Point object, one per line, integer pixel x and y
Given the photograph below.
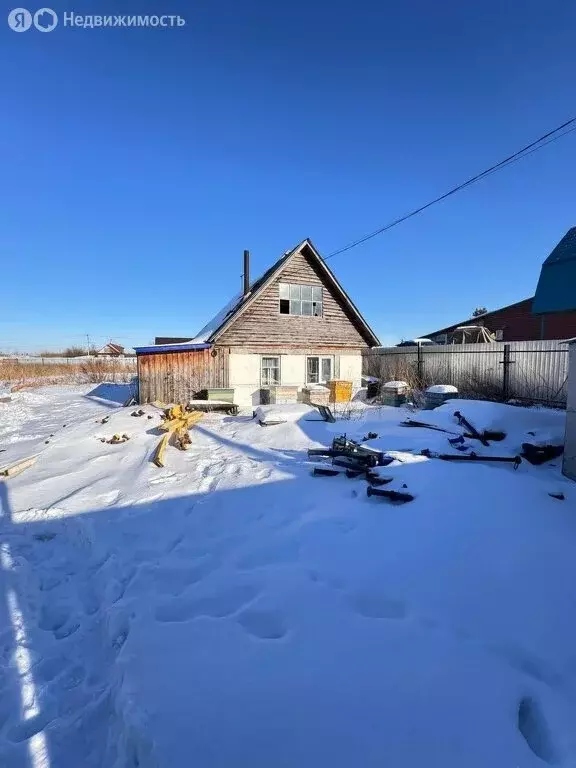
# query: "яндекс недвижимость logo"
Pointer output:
{"type": "Point", "coordinates": [20, 20]}
{"type": "Point", "coordinates": [45, 20]}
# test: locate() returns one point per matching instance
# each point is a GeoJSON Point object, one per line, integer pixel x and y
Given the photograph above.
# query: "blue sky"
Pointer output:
{"type": "Point", "coordinates": [137, 164]}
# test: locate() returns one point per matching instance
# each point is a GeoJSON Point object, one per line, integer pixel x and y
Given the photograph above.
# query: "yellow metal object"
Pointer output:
{"type": "Point", "coordinates": [340, 391]}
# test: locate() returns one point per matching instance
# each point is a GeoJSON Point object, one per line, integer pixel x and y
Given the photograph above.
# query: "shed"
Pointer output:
{"type": "Point", "coordinates": [177, 373]}
{"type": "Point", "coordinates": [569, 461]}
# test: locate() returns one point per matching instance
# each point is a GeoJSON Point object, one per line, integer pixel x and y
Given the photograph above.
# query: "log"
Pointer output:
{"type": "Point", "coordinates": [14, 469]}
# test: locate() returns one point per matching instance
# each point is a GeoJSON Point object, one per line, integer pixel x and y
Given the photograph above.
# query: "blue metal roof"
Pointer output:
{"type": "Point", "coordinates": [556, 291]}
{"type": "Point", "coordinates": [187, 347]}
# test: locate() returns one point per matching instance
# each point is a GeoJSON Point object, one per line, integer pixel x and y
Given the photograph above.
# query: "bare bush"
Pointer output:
{"type": "Point", "coordinates": [22, 375]}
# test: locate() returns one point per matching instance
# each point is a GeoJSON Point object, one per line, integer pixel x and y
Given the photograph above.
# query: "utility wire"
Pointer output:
{"type": "Point", "coordinates": [548, 138]}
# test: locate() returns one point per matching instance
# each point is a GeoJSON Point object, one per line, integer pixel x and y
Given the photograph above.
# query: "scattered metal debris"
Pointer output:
{"type": "Point", "coordinates": [326, 472]}
{"type": "Point", "coordinates": [539, 454]}
{"type": "Point", "coordinates": [400, 496]}
{"type": "Point", "coordinates": [463, 422]}
{"type": "Point", "coordinates": [516, 460]}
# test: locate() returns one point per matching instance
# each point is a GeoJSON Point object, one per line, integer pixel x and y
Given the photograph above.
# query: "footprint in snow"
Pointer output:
{"type": "Point", "coordinates": [534, 728]}
{"type": "Point", "coordinates": [261, 623]}
{"type": "Point", "coordinates": [175, 580]}
{"type": "Point", "coordinates": [276, 554]}
{"type": "Point", "coordinates": [208, 484]}
{"type": "Point", "coordinates": [49, 668]}
{"type": "Point", "coordinates": [374, 604]}
{"type": "Point", "coordinates": [25, 729]}
{"type": "Point", "coordinates": [169, 477]}
{"type": "Point", "coordinates": [217, 605]}
{"type": "Point", "coordinates": [53, 617]}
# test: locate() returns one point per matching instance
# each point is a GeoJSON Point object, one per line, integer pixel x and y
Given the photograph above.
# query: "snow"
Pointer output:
{"type": "Point", "coordinates": [442, 389]}
{"type": "Point", "coordinates": [232, 610]}
{"type": "Point", "coordinates": [395, 385]}
{"type": "Point", "coordinates": [212, 325]}
{"type": "Point", "coordinates": [287, 413]}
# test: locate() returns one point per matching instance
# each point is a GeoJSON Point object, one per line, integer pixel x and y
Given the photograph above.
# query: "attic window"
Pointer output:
{"type": "Point", "coordinates": [304, 300]}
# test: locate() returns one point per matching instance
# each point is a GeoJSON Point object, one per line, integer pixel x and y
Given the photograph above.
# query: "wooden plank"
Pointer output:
{"type": "Point", "coordinates": [14, 469]}
{"type": "Point", "coordinates": [158, 455]}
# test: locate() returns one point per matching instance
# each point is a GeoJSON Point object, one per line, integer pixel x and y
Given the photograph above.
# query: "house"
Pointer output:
{"type": "Point", "coordinates": [295, 326]}
{"type": "Point", "coordinates": [550, 314]}
{"type": "Point", "coordinates": [111, 349]}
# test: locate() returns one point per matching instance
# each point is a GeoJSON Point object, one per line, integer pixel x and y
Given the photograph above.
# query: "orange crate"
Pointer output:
{"type": "Point", "coordinates": [340, 391]}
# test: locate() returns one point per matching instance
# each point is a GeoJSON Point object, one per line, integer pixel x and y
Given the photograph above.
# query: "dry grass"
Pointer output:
{"type": "Point", "coordinates": [19, 375]}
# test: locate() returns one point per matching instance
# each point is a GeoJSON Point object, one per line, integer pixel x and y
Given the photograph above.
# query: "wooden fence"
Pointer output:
{"type": "Point", "coordinates": [534, 371]}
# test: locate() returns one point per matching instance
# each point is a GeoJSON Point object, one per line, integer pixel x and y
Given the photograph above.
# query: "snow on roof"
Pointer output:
{"type": "Point", "coordinates": [212, 325]}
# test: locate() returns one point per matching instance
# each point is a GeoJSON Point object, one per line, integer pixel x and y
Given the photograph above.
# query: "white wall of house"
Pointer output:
{"type": "Point", "coordinates": [245, 373]}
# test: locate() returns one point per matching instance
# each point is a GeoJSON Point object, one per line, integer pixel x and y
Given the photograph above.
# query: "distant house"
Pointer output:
{"type": "Point", "coordinates": [293, 327]}
{"type": "Point", "coordinates": [111, 349]}
{"type": "Point", "coordinates": [550, 314]}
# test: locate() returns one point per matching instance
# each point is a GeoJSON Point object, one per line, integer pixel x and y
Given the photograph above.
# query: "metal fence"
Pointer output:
{"type": "Point", "coordinates": [534, 371]}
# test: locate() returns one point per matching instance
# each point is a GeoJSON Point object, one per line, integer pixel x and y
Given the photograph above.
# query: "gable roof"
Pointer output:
{"type": "Point", "coordinates": [556, 290]}
{"type": "Point", "coordinates": [239, 304]}
{"type": "Point", "coordinates": [115, 349]}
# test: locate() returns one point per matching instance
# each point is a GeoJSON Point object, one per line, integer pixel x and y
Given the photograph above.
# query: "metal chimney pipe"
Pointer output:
{"type": "Point", "coordinates": [246, 273]}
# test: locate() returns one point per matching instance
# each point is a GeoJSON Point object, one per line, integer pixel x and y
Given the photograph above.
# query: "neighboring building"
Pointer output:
{"type": "Point", "coordinates": [517, 322]}
{"type": "Point", "coordinates": [111, 350]}
{"type": "Point", "coordinates": [550, 314]}
{"type": "Point", "coordinates": [556, 290]}
{"type": "Point", "coordinates": [569, 458]}
{"type": "Point", "coordinates": [556, 295]}
{"type": "Point", "coordinates": [295, 326]}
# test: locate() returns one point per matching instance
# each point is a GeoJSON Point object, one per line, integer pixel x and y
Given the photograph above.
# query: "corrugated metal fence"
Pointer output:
{"type": "Point", "coordinates": [526, 370]}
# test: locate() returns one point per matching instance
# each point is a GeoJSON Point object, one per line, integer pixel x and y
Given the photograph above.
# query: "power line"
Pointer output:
{"type": "Point", "coordinates": [548, 138]}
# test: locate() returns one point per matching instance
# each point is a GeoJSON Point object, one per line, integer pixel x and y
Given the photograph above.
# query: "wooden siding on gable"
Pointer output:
{"type": "Point", "coordinates": [177, 377]}
{"type": "Point", "coordinates": [261, 324]}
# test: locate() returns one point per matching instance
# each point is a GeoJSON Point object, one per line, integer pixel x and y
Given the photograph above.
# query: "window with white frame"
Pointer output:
{"type": "Point", "coordinates": [270, 373]}
{"type": "Point", "coordinates": [304, 300]}
{"type": "Point", "coordinates": [319, 370]}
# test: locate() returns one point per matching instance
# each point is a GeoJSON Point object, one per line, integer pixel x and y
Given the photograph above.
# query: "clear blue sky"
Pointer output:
{"type": "Point", "coordinates": [137, 164]}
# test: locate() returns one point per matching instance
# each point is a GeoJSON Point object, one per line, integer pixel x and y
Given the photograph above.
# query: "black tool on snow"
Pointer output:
{"type": "Point", "coordinates": [326, 472]}
{"type": "Point", "coordinates": [516, 460]}
{"type": "Point", "coordinates": [400, 496]}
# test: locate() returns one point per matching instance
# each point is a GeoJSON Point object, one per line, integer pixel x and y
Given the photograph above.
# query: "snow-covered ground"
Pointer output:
{"type": "Point", "coordinates": [232, 610]}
